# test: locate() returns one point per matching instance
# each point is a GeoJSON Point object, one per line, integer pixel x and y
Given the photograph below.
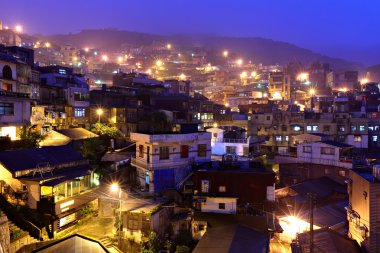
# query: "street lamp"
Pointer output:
{"type": "Point", "coordinates": [99, 111]}
{"type": "Point", "coordinates": [18, 28]}
{"type": "Point", "coordinates": [116, 188]}
{"type": "Point", "coordinates": [312, 92]}
{"type": "Point", "coordinates": [225, 53]}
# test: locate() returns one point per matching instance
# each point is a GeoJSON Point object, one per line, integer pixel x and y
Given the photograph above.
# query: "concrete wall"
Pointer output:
{"type": "Point", "coordinates": [4, 235]}
{"type": "Point", "coordinates": [212, 205]}
{"type": "Point", "coordinates": [358, 144]}
{"type": "Point", "coordinates": [8, 178]}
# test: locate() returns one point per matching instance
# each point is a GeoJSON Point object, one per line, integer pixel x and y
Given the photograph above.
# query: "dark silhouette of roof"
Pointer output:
{"type": "Point", "coordinates": [18, 160]}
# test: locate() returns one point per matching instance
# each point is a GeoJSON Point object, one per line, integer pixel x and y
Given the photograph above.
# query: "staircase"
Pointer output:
{"type": "Point", "coordinates": [18, 220]}
{"type": "Point", "coordinates": [109, 244]}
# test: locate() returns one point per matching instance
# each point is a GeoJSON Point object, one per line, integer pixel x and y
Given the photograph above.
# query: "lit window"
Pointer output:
{"type": "Point", "coordinates": [278, 138]}
{"type": "Point", "coordinates": [297, 128]}
{"type": "Point", "coordinates": [342, 173]}
{"type": "Point", "coordinates": [374, 138]}
{"type": "Point", "coordinates": [342, 128]}
{"type": "Point", "coordinates": [205, 186]}
{"type": "Point", "coordinates": [353, 127]}
{"type": "Point", "coordinates": [222, 188]}
{"type": "Point", "coordinates": [315, 128]}
{"type": "Point", "coordinates": [79, 112]}
{"type": "Point", "coordinates": [362, 128]}
{"type": "Point", "coordinates": [357, 138]}
{"type": "Point", "coordinates": [308, 128]}
{"type": "Point", "coordinates": [287, 138]}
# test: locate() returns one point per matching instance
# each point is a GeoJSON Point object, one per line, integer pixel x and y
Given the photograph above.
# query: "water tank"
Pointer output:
{"type": "Point", "coordinates": [376, 171]}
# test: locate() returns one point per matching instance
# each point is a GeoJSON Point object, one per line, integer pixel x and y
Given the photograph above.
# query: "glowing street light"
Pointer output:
{"type": "Point", "coordinates": [159, 63]}
{"type": "Point", "coordinates": [215, 125]}
{"type": "Point", "coordinates": [226, 104]}
{"type": "Point", "coordinates": [99, 111]}
{"type": "Point", "coordinates": [105, 58]}
{"type": "Point", "coordinates": [312, 92]}
{"type": "Point", "coordinates": [169, 46]}
{"type": "Point", "coordinates": [182, 76]}
{"type": "Point", "coordinates": [253, 74]}
{"type": "Point", "coordinates": [265, 95]}
{"type": "Point", "coordinates": [344, 89]}
{"type": "Point", "coordinates": [115, 188]}
{"type": "Point", "coordinates": [75, 58]}
{"type": "Point", "coordinates": [225, 53]}
{"type": "Point", "coordinates": [47, 44]}
{"type": "Point", "coordinates": [239, 62]}
{"type": "Point", "coordinates": [86, 49]}
{"type": "Point", "coordinates": [243, 75]}
{"type": "Point", "coordinates": [149, 71]}
{"type": "Point", "coordinates": [18, 29]}
{"type": "Point", "coordinates": [120, 59]}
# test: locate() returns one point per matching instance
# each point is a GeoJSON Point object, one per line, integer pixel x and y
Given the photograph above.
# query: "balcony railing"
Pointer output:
{"type": "Point", "coordinates": [229, 140]}
{"type": "Point", "coordinates": [161, 164]}
{"type": "Point", "coordinates": [290, 158]}
{"type": "Point", "coordinates": [4, 93]}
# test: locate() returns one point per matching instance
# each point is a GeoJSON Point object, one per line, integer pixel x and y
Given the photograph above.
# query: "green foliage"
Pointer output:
{"type": "Point", "coordinates": [182, 249]}
{"type": "Point", "coordinates": [103, 129]}
{"type": "Point", "coordinates": [184, 238]}
{"type": "Point", "coordinates": [29, 138]}
{"type": "Point", "coordinates": [92, 149]}
{"type": "Point", "coordinates": [15, 234]}
{"type": "Point", "coordinates": [152, 245]}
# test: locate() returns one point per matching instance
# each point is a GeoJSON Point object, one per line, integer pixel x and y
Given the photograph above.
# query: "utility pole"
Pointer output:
{"type": "Point", "coordinates": [311, 222]}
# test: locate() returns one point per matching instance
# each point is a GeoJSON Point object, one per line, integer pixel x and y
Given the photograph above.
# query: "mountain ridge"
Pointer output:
{"type": "Point", "coordinates": [260, 50]}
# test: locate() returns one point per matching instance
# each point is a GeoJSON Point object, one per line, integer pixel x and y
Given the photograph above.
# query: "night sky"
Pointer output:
{"type": "Point", "coordinates": [349, 29]}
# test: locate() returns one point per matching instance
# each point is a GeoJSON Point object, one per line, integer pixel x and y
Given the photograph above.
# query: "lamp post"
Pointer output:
{"type": "Point", "coordinates": [99, 112]}
{"type": "Point", "coordinates": [116, 188]}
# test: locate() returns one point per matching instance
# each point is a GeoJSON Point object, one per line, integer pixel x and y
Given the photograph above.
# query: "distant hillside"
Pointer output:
{"type": "Point", "coordinates": [261, 50]}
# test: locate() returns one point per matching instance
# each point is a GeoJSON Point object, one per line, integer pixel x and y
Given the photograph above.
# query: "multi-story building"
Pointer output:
{"type": "Point", "coordinates": [279, 85]}
{"type": "Point", "coordinates": [346, 80]}
{"type": "Point", "coordinates": [14, 96]}
{"type": "Point", "coordinates": [164, 160]}
{"type": "Point", "coordinates": [65, 95]}
{"type": "Point", "coordinates": [364, 207]}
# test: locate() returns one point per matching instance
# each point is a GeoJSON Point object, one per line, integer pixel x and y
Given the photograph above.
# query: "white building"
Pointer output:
{"type": "Point", "coordinates": [164, 160]}
{"type": "Point", "coordinates": [14, 105]}
{"type": "Point", "coordinates": [221, 145]}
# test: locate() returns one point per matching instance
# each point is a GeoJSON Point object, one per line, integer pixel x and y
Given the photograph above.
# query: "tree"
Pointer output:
{"type": "Point", "coordinates": [103, 129]}
{"type": "Point", "coordinates": [152, 245]}
{"type": "Point", "coordinates": [30, 138]}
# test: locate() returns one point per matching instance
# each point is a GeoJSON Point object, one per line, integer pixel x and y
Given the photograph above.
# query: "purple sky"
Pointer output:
{"type": "Point", "coordinates": [348, 29]}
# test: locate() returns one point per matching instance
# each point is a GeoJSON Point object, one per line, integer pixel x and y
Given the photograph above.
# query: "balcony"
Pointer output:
{"type": "Point", "coordinates": [4, 93]}
{"type": "Point", "coordinates": [160, 164]}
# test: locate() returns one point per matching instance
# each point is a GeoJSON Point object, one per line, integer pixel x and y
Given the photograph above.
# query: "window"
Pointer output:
{"type": "Point", "coordinates": [342, 173]}
{"type": "Point", "coordinates": [312, 128]}
{"type": "Point", "coordinates": [133, 221]}
{"type": "Point", "coordinates": [268, 117]}
{"type": "Point", "coordinates": [278, 138]}
{"type": "Point", "coordinates": [6, 109]}
{"type": "Point", "coordinates": [81, 96]}
{"type": "Point", "coordinates": [374, 138]}
{"type": "Point", "coordinates": [222, 188]}
{"type": "Point", "coordinates": [327, 151]}
{"type": "Point", "coordinates": [184, 151]}
{"type": "Point", "coordinates": [79, 112]}
{"type": "Point", "coordinates": [231, 150]}
{"type": "Point", "coordinates": [164, 153]}
{"type": "Point", "coordinates": [373, 128]}
{"type": "Point", "coordinates": [361, 128]}
{"type": "Point", "coordinates": [222, 206]}
{"type": "Point", "coordinates": [286, 138]}
{"type": "Point", "coordinates": [341, 128]}
{"type": "Point", "coordinates": [357, 138]}
{"type": "Point", "coordinates": [341, 138]}
{"type": "Point", "coordinates": [202, 150]}
{"type": "Point", "coordinates": [297, 128]}
{"type": "Point", "coordinates": [284, 128]}
{"type": "Point", "coordinates": [353, 127]}
{"type": "Point", "coordinates": [205, 186]}
{"type": "Point", "coordinates": [141, 151]}
{"type": "Point", "coordinates": [307, 149]}
{"type": "Point", "coordinates": [326, 128]}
